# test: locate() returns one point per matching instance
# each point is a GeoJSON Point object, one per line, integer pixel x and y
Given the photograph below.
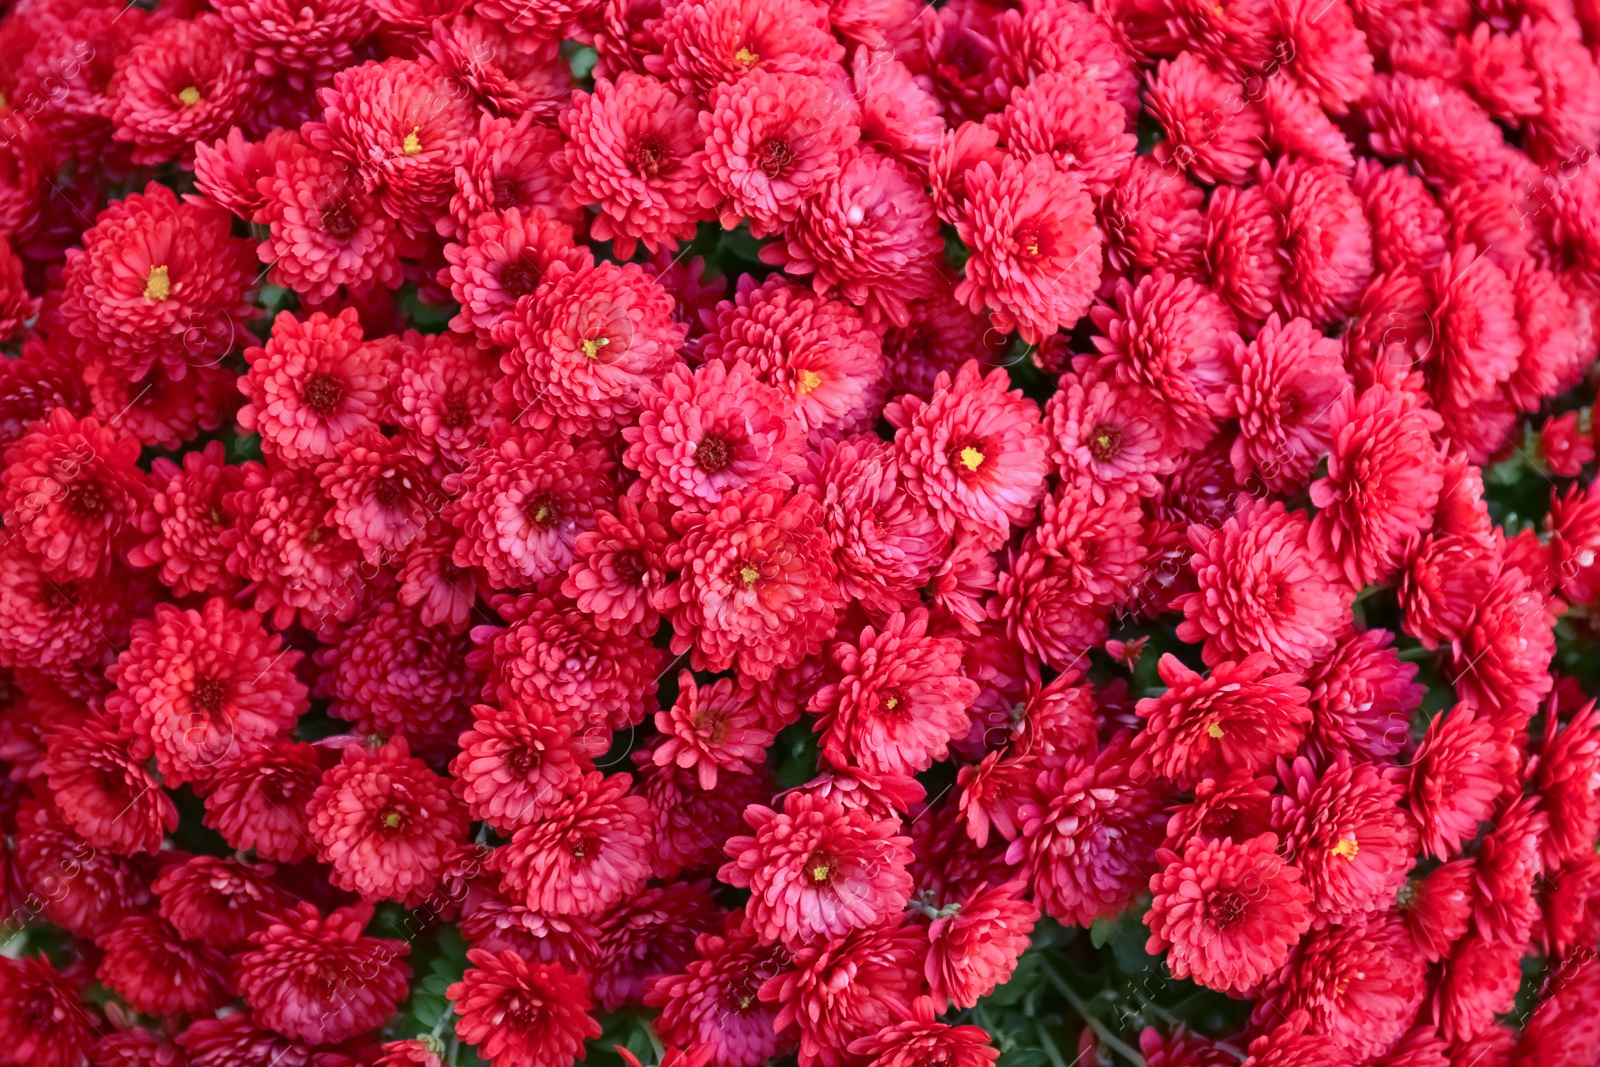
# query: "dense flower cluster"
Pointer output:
{"type": "Point", "coordinates": [852, 532]}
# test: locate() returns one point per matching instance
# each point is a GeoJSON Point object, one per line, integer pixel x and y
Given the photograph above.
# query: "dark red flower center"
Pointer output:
{"type": "Point", "coordinates": [519, 278]}
{"type": "Point", "coordinates": [505, 193]}
{"type": "Point", "coordinates": [522, 760]}
{"type": "Point", "coordinates": [820, 869]}
{"type": "Point", "coordinates": [712, 455]}
{"type": "Point", "coordinates": [1033, 242]}
{"type": "Point", "coordinates": [774, 156]}
{"type": "Point", "coordinates": [893, 704]}
{"type": "Point", "coordinates": [585, 848]}
{"type": "Point", "coordinates": [85, 501]}
{"type": "Point", "coordinates": [390, 489]}
{"type": "Point", "coordinates": [651, 155]}
{"type": "Point", "coordinates": [1227, 908]}
{"type": "Point", "coordinates": [338, 221]}
{"type": "Point", "coordinates": [629, 567]}
{"type": "Point", "coordinates": [1105, 443]}
{"type": "Point", "coordinates": [456, 414]}
{"type": "Point", "coordinates": [540, 510]}
{"type": "Point", "coordinates": [210, 694]}
{"type": "Point", "coordinates": [322, 394]}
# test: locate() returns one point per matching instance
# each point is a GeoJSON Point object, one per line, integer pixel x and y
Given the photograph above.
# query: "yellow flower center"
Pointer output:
{"type": "Point", "coordinates": [412, 144]}
{"type": "Point", "coordinates": [746, 57]}
{"type": "Point", "coordinates": [189, 96]}
{"type": "Point", "coordinates": [749, 574]}
{"type": "Point", "coordinates": [891, 703]}
{"type": "Point", "coordinates": [1214, 730]}
{"type": "Point", "coordinates": [809, 380]}
{"type": "Point", "coordinates": [1346, 848]}
{"type": "Point", "coordinates": [392, 819]}
{"type": "Point", "coordinates": [592, 346]}
{"type": "Point", "coordinates": [157, 286]}
{"type": "Point", "coordinates": [971, 458]}
{"type": "Point", "coordinates": [819, 873]}
{"type": "Point", "coordinates": [542, 515]}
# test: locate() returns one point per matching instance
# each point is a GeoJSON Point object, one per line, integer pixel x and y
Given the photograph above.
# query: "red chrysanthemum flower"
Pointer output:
{"type": "Point", "coordinates": [310, 40]}
{"type": "Point", "coordinates": [582, 854]}
{"type": "Point", "coordinates": [186, 82]}
{"type": "Point", "coordinates": [618, 566]}
{"type": "Point", "coordinates": [755, 586]}
{"type": "Point", "coordinates": [817, 351]}
{"type": "Point", "coordinates": [689, 824]}
{"type": "Point", "coordinates": [237, 1040]}
{"type": "Point", "coordinates": [712, 728]}
{"type": "Point", "coordinates": [325, 230]}
{"type": "Point", "coordinates": [521, 1012]}
{"type": "Point", "coordinates": [393, 675]}
{"type": "Point", "coordinates": [189, 518]}
{"type": "Point", "coordinates": [817, 870]}
{"type": "Point", "coordinates": [1227, 914]}
{"type": "Point", "coordinates": [53, 624]}
{"type": "Point", "coordinates": [320, 979]}
{"type": "Point", "coordinates": [1479, 981]}
{"type": "Point", "coordinates": [715, 1000]}
{"type": "Point", "coordinates": [507, 165]}
{"type": "Point", "coordinates": [845, 989]}
{"type": "Point", "coordinates": [1327, 241]}
{"type": "Point", "coordinates": [384, 496]}
{"type": "Point", "coordinates": [1036, 258]}
{"type": "Point", "coordinates": [1243, 265]}
{"type": "Point", "coordinates": [1453, 781]}
{"type": "Point", "coordinates": [1213, 128]}
{"type": "Point", "coordinates": [703, 45]}
{"type": "Point", "coordinates": [585, 345]}
{"type": "Point", "coordinates": [1569, 760]}
{"type": "Point", "coordinates": [773, 141]}
{"type": "Point", "coordinates": [158, 280]}
{"type": "Point", "coordinates": [1286, 382]}
{"type": "Point", "coordinates": [196, 688]}
{"type": "Point", "coordinates": [43, 1021]}
{"type": "Point", "coordinates": [895, 698]}
{"type": "Point", "coordinates": [516, 763]}
{"type": "Point", "coordinates": [715, 430]}
{"type": "Point", "coordinates": [506, 74]}
{"type": "Point", "coordinates": [158, 409]}
{"type": "Point", "coordinates": [974, 949]}
{"type": "Point", "coordinates": [554, 655]}
{"type": "Point", "coordinates": [105, 889]}
{"type": "Point", "coordinates": [1087, 836]}
{"type": "Point", "coordinates": [1501, 663]}
{"type": "Point", "coordinates": [218, 902]}
{"type": "Point", "coordinates": [1070, 117]}
{"type": "Point", "coordinates": [652, 934]}
{"type": "Point", "coordinates": [314, 387]}
{"type": "Point", "coordinates": [289, 551]}
{"type": "Point", "coordinates": [17, 308]}
{"type": "Point", "coordinates": [1345, 829]}
{"type": "Point", "coordinates": [898, 115]}
{"type": "Point", "coordinates": [869, 235]}
{"type": "Point", "coordinates": [1509, 864]}
{"type": "Point", "coordinates": [442, 397]}
{"type": "Point", "coordinates": [923, 1039]}
{"type": "Point", "coordinates": [102, 788]}
{"type": "Point", "coordinates": [502, 257]}
{"type": "Point", "coordinates": [1434, 124]}
{"type": "Point", "coordinates": [156, 972]}
{"type": "Point", "coordinates": [385, 822]}
{"type": "Point", "coordinates": [1362, 697]}
{"type": "Point", "coordinates": [1098, 439]}
{"type": "Point", "coordinates": [72, 493]}
{"type": "Point", "coordinates": [257, 800]}
{"type": "Point", "coordinates": [1240, 718]}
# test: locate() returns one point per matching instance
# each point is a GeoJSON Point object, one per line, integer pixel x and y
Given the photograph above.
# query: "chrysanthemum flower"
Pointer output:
{"type": "Point", "coordinates": [320, 979]}
{"type": "Point", "coordinates": [1453, 784]}
{"type": "Point", "coordinates": [1240, 718]}
{"type": "Point", "coordinates": [1568, 760]}
{"type": "Point", "coordinates": [310, 40]}
{"type": "Point", "coordinates": [689, 824]}
{"type": "Point", "coordinates": [585, 345]}
{"type": "Point", "coordinates": [1070, 117]}
{"type": "Point", "coordinates": [188, 81]}
{"type": "Point", "coordinates": [1242, 242]}
{"type": "Point", "coordinates": [325, 230]}
{"type": "Point", "coordinates": [102, 788]}
{"type": "Point", "coordinates": [506, 74]}
{"type": "Point", "coordinates": [1479, 981]}
{"type": "Point", "coordinates": [708, 432]}
{"type": "Point", "coordinates": [715, 1001]}
{"type": "Point", "coordinates": [1345, 829]}
{"type": "Point", "coordinates": [975, 948]}
{"type": "Point", "coordinates": [385, 823]}
{"type": "Point", "coordinates": [1435, 124]}
{"type": "Point", "coordinates": [921, 1038]}
{"type": "Point", "coordinates": [554, 655]}
{"type": "Point", "coordinates": [158, 409]}
{"type": "Point", "coordinates": [257, 799]}
{"type": "Point", "coordinates": [1227, 914]}
{"type": "Point", "coordinates": [42, 1017]}
{"type": "Point", "coordinates": [650, 935]}
{"type": "Point", "coordinates": [897, 115]}
{"type": "Point", "coordinates": [106, 890]}
{"type": "Point", "coordinates": [384, 497]}
{"type": "Point", "coordinates": [71, 493]}
{"type": "Point", "coordinates": [1362, 697]}
{"type": "Point", "coordinates": [228, 170]}
{"type": "Point", "coordinates": [524, 498]}
{"type": "Point", "coordinates": [618, 566]}
{"type": "Point", "coordinates": [845, 989]}
{"type": "Point", "coordinates": [218, 902]}
{"type": "Point", "coordinates": [517, 1011]}
{"type": "Point", "coordinates": [1237, 806]}
{"type": "Point", "coordinates": [773, 141]}
{"type": "Point", "coordinates": [1214, 129]}
{"type": "Point", "coordinates": [516, 763]}
{"type": "Point", "coordinates": [868, 235]}
{"type": "Point", "coordinates": [755, 586]}
{"type": "Point", "coordinates": [1509, 863]}
{"type": "Point", "coordinates": [158, 280]}
{"type": "Point", "coordinates": [1096, 437]}
{"type": "Point", "coordinates": [703, 45]}
{"type": "Point", "coordinates": [443, 397]}
{"type": "Point", "coordinates": [494, 924]}
{"type": "Point", "coordinates": [583, 853]}
{"type": "Point", "coordinates": [1327, 241]}
{"type": "Point", "coordinates": [817, 351]}
{"type": "Point", "coordinates": [1284, 385]}
{"type": "Point", "coordinates": [158, 973]}
{"type": "Point", "coordinates": [507, 165]}
{"type": "Point", "coordinates": [818, 871]}
{"type": "Point", "coordinates": [1088, 835]}
{"type": "Point", "coordinates": [501, 258]}
{"type": "Point", "coordinates": [712, 728]}
{"type": "Point", "coordinates": [196, 688]}
{"type": "Point", "coordinates": [1501, 664]}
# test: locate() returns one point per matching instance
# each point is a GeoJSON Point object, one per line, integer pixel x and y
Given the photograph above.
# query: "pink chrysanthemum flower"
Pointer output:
{"type": "Point", "coordinates": [652, 934]}
{"type": "Point", "coordinates": [816, 350]}
{"type": "Point", "coordinates": [71, 494]}
{"type": "Point", "coordinates": [385, 823]}
{"type": "Point", "coordinates": [384, 498]}
{"type": "Point", "coordinates": [1435, 124]}
{"type": "Point", "coordinates": [506, 74]}
{"type": "Point", "coordinates": [1241, 717]}
{"type": "Point", "coordinates": [314, 386]}
{"type": "Point", "coordinates": [581, 855]}
{"type": "Point", "coordinates": [1262, 588]}
{"type": "Point", "coordinates": [1070, 117]}
{"type": "Point", "coordinates": [158, 409]}
{"type": "Point", "coordinates": [1284, 385]}
{"type": "Point", "coordinates": [897, 115]}
{"type": "Point", "coordinates": [976, 453]}
{"type": "Point", "coordinates": [257, 800]}
{"type": "Point", "coordinates": [1453, 781]}
{"type": "Point", "coordinates": [320, 979]}
{"type": "Point", "coordinates": [501, 259]}
{"type": "Point", "coordinates": [869, 235]}
{"type": "Point", "coordinates": [1214, 130]}
{"type": "Point", "coordinates": [1362, 697]}
{"type": "Point", "coordinates": [523, 501]}
{"type": "Point", "coordinates": [1242, 260]}
{"type": "Point", "coordinates": [186, 82]}
{"type": "Point", "coordinates": [325, 231]}
{"type": "Point", "coordinates": [1327, 241]}
{"type": "Point", "coordinates": [634, 150]}
{"type": "Point", "coordinates": [689, 824]}
{"type": "Point", "coordinates": [715, 999]}
{"type": "Point", "coordinates": [1036, 255]}
{"type": "Point", "coordinates": [818, 871]}
{"type": "Point", "coordinates": [443, 397]}
{"type": "Point", "coordinates": [1345, 829]}
{"type": "Point", "coordinates": [507, 165]}
{"type": "Point", "coordinates": [1098, 438]}
{"type": "Point", "coordinates": [712, 728]}
{"type": "Point", "coordinates": [228, 170]}
{"type": "Point", "coordinates": [158, 280]}
{"type": "Point", "coordinates": [704, 45]}
{"type": "Point", "coordinates": [773, 141]}
{"type": "Point", "coordinates": [1151, 219]}
{"type": "Point", "coordinates": [848, 988]}
{"type": "Point", "coordinates": [401, 123]}
{"type": "Point", "coordinates": [921, 1038]}
{"type": "Point", "coordinates": [517, 1011]}
{"type": "Point", "coordinates": [197, 688]}
{"type": "Point", "coordinates": [309, 40]}
{"type": "Point", "coordinates": [1086, 838]}
{"type": "Point", "coordinates": [896, 696]}
{"type": "Point", "coordinates": [516, 763]}
{"type": "Point", "coordinates": [1227, 914]}
{"type": "Point", "coordinates": [755, 587]}
{"type": "Point", "coordinates": [975, 949]}
{"type": "Point", "coordinates": [102, 788]}
{"type": "Point", "coordinates": [495, 925]}
{"type": "Point", "coordinates": [107, 890]}
{"type": "Point", "coordinates": [218, 902]}
{"type": "Point", "coordinates": [619, 566]}
{"type": "Point", "coordinates": [715, 430]}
